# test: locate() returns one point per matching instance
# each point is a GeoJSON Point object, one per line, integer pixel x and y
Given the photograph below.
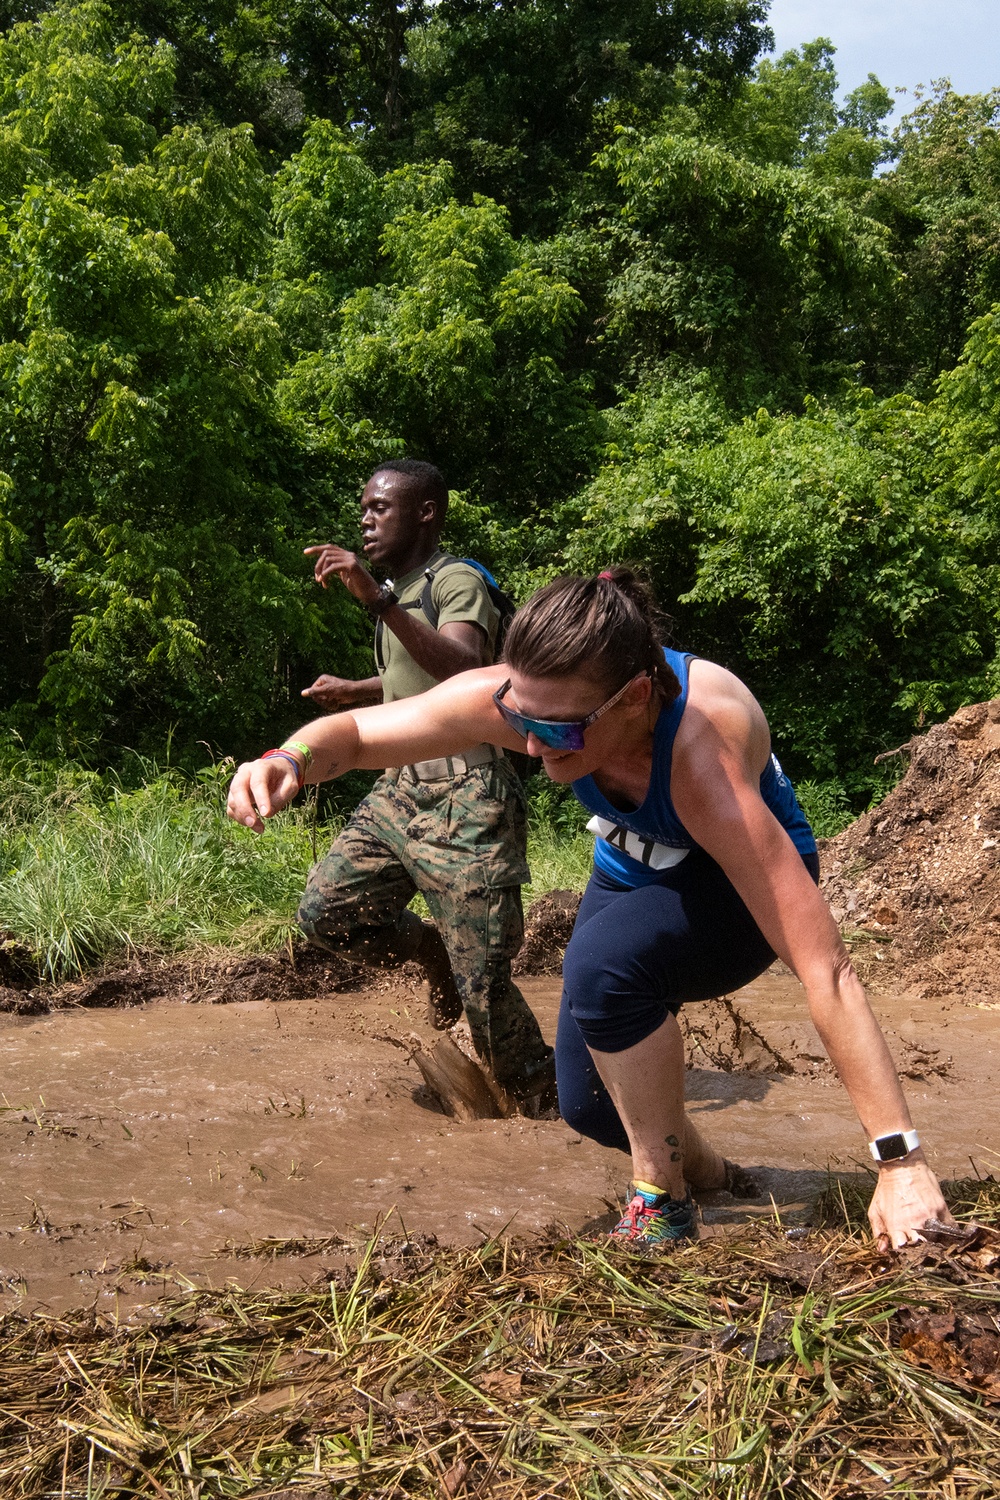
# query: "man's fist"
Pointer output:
{"type": "Point", "coordinates": [347, 566]}
{"type": "Point", "coordinates": [332, 692]}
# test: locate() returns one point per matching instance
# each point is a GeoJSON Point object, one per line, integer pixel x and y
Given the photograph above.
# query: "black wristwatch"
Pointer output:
{"type": "Point", "coordinates": [384, 600]}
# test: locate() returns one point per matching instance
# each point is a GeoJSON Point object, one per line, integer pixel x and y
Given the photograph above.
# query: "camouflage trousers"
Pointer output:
{"type": "Point", "coordinates": [461, 843]}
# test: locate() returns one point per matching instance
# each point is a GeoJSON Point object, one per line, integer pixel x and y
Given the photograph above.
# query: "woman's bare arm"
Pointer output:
{"type": "Point", "coordinates": [715, 789]}
{"type": "Point", "coordinates": [446, 720]}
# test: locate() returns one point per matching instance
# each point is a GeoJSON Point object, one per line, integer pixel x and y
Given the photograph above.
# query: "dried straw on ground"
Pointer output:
{"type": "Point", "coordinates": [750, 1366]}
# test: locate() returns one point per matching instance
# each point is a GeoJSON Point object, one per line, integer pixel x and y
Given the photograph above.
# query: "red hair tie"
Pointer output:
{"type": "Point", "coordinates": [607, 574]}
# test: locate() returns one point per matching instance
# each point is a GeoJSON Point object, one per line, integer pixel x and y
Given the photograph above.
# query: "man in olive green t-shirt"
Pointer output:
{"type": "Point", "coordinates": [453, 829]}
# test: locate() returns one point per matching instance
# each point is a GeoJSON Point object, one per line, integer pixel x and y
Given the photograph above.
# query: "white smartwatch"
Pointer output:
{"type": "Point", "coordinates": [894, 1147]}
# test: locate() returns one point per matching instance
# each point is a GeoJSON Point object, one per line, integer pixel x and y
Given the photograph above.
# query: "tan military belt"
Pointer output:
{"type": "Point", "coordinates": [446, 767]}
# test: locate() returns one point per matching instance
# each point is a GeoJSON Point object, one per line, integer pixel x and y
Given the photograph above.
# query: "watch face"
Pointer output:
{"type": "Point", "coordinates": [891, 1147]}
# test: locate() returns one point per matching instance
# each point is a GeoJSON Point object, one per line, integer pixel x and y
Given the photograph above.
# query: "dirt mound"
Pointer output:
{"type": "Point", "coordinates": [915, 883]}
{"type": "Point", "coordinates": [546, 933]}
{"type": "Point", "coordinates": [205, 979]}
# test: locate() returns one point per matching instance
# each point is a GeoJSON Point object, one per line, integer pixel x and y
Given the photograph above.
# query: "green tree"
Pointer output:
{"type": "Point", "coordinates": [785, 112]}
{"type": "Point", "coordinates": [246, 252]}
{"type": "Point", "coordinates": [519, 94]}
{"type": "Point", "coordinates": [757, 272]}
{"type": "Point", "coordinates": [272, 63]}
{"type": "Point", "coordinates": [814, 555]}
{"type": "Point", "coordinates": [453, 348]}
{"type": "Point", "coordinates": [942, 207]}
{"type": "Point", "coordinates": [150, 543]}
{"type": "Point", "coordinates": [786, 115]}
{"type": "Point", "coordinates": [968, 408]}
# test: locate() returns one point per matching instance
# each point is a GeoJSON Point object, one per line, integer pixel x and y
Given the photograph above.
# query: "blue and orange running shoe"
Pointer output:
{"type": "Point", "coordinates": [654, 1221]}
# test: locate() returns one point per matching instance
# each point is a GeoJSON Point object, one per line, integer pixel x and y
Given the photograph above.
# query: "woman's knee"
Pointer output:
{"type": "Point", "coordinates": [610, 992]}
{"type": "Point", "coordinates": [611, 1018]}
{"type": "Point", "coordinates": [584, 1102]}
{"type": "Point", "coordinates": [589, 983]}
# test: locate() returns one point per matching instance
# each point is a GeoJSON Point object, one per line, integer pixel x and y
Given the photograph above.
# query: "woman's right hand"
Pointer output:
{"type": "Point", "coordinates": [260, 789]}
{"type": "Point", "coordinates": [906, 1200]}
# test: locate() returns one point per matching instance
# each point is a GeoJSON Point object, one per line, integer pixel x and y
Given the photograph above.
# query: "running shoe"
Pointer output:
{"type": "Point", "coordinates": [654, 1221]}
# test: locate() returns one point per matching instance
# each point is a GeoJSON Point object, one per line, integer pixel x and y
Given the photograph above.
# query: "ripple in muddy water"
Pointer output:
{"type": "Point", "coordinates": [141, 1143]}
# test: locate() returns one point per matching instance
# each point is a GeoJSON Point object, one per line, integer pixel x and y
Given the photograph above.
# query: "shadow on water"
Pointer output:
{"type": "Point", "coordinates": [717, 1090]}
{"type": "Point", "coordinates": [789, 1199]}
{"type": "Point", "coordinates": [791, 1196]}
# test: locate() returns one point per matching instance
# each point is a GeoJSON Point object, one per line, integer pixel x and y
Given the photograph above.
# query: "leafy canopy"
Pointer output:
{"type": "Point", "coordinates": [641, 291]}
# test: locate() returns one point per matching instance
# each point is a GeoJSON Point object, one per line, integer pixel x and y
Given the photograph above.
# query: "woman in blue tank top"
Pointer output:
{"type": "Point", "coordinates": [704, 870]}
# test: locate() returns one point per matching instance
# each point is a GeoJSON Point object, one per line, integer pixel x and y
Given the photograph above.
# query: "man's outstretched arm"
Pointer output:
{"type": "Point", "coordinates": [331, 692]}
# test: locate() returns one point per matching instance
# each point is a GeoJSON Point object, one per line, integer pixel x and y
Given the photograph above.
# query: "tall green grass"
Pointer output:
{"type": "Point", "coordinates": [826, 805]}
{"type": "Point", "coordinates": [92, 870]}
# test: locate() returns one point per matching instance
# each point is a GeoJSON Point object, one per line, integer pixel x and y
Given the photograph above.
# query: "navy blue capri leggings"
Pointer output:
{"type": "Point", "coordinates": [636, 956]}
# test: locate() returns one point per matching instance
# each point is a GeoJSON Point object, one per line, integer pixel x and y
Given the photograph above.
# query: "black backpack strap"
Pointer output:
{"type": "Point", "coordinates": [501, 602]}
{"type": "Point", "coordinates": [430, 610]}
{"type": "Point", "coordinates": [427, 606]}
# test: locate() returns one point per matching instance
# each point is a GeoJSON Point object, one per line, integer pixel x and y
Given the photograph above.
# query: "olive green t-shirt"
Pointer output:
{"type": "Point", "coordinates": [459, 593]}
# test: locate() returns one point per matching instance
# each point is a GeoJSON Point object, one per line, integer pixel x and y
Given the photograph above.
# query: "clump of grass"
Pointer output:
{"type": "Point", "coordinates": [557, 862]}
{"type": "Point", "coordinates": [843, 1203]}
{"type": "Point", "coordinates": [560, 850]}
{"type": "Point", "coordinates": [92, 870]}
{"type": "Point", "coordinates": [826, 805]}
{"type": "Point", "coordinates": [740, 1368]}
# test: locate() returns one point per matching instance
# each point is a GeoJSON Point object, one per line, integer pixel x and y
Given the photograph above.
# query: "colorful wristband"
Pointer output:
{"type": "Point", "coordinates": [300, 773]}
{"type": "Point", "coordinates": [302, 748]}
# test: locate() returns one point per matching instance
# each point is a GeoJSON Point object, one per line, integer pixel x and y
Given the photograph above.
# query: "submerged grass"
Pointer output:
{"type": "Point", "coordinates": [92, 870]}
{"type": "Point", "coordinates": [740, 1368]}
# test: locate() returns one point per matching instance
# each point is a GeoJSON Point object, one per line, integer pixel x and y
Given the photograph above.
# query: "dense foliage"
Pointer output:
{"type": "Point", "coordinates": [643, 292]}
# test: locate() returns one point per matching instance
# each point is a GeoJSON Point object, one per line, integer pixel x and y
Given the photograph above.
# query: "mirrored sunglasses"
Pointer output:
{"type": "Point", "coordinates": [557, 734]}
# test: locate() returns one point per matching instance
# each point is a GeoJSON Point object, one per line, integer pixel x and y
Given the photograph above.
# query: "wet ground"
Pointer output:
{"type": "Point", "coordinates": [149, 1149]}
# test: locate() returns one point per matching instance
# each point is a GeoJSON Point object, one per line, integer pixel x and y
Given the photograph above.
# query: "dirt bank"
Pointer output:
{"type": "Point", "coordinates": [213, 977]}
{"type": "Point", "coordinates": [915, 884]}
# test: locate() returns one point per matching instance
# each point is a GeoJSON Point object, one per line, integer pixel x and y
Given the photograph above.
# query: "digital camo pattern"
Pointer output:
{"type": "Point", "coordinates": [461, 844]}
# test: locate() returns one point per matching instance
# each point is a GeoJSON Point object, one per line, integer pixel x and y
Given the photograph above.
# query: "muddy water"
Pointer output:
{"type": "Point", "coordinates": [143, 1149]}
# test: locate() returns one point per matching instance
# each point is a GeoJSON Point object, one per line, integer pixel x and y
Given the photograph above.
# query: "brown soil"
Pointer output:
{"type": "Point", "coordinates": [915, 884]}
{"type": "Point", "coordinates": [205, 978]}
{"type": "Point", "coordinates": [546, 932]}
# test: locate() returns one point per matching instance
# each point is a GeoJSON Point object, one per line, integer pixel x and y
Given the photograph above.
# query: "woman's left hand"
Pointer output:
{"type": "Point", "coordinates": [906, 1197]}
